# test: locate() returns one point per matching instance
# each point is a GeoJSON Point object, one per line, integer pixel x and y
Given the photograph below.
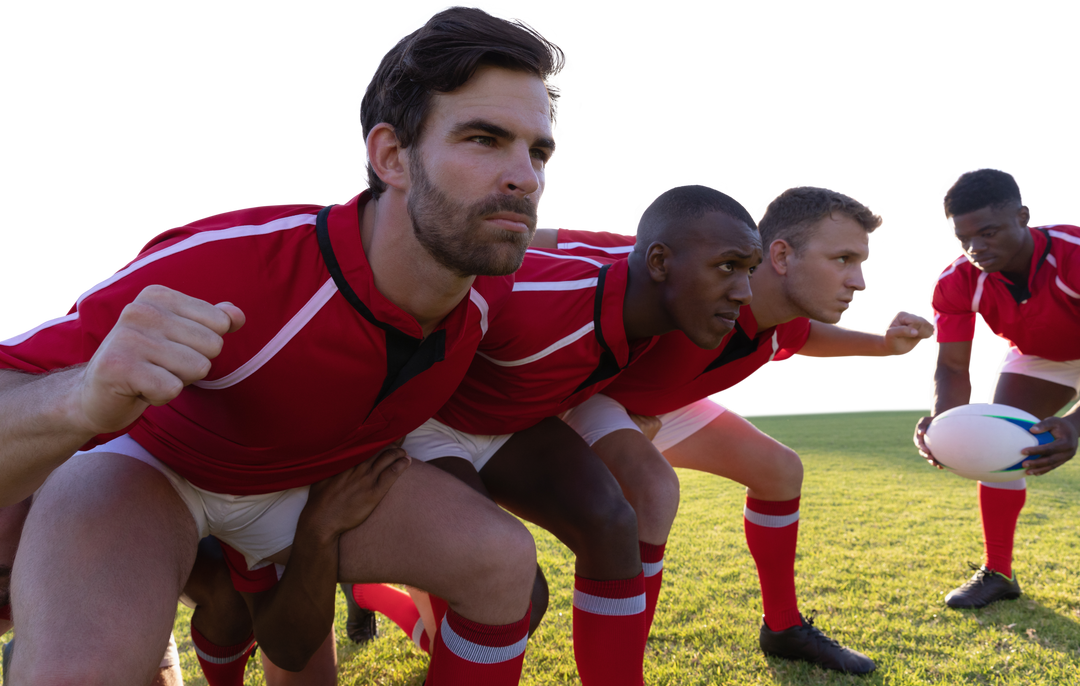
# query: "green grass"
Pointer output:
{"type": "Point", "coordinates": [882, 538]}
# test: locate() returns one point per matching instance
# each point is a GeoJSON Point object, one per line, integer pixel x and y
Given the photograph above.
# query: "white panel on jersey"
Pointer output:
{"type": "Point", "coordinates": [293, 327]}
{"type": "Point", "coordinates": [561, 343]}
{"type": "Point", "coordinates": [578, 285]}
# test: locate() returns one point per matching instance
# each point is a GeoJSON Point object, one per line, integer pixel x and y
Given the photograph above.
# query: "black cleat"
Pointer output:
{"type": "Point", "coordinates": [985, 587]}
{"type": "Point", "coordinates": [360, 626]}
{"type": "Point", "coordinates": [806, 642]}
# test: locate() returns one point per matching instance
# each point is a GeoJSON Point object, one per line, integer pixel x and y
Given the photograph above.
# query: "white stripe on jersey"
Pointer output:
{"type": "Point", "coordinates": [1061, 284]}
{"type": "Point", "coordinates": [556, 285]}
{"type": "Point", "coordinates": [620, 250]}
{"type": "Point", "coordinates": [293, 327]}
{"type": "Point", "coordinates": [195, 241]}
{"type": "Point", "coordinates": [1051, 259]}
{"type": "Point", "coordinates": [559, 256]}
{"type": "Point", "coordinates": [775, 345]}
{"type": "Point", "coordinates": [562, 343]}
{"type": "Point", "coordinates": [481, 305]}
{"type": "Point", "coordinates": [1067, 237]}
{"type": "Point", "coordinates": [952, 268]}
{"type": "Point", "coordinates": [978, 292]}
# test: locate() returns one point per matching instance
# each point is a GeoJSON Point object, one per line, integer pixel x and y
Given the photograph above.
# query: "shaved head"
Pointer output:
{"type": "Point", "coordinates": [666, 220]}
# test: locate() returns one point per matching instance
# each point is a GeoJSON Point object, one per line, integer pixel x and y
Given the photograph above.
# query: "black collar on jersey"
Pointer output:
{"type": "Point", "coordinates": [406, 356]}
{"type": "Point", "coordinates": [1022, 291]}
{"type": "Point", "coordinates": [609, 364]}
{"type": "Point", "coordinates": [740, 345]}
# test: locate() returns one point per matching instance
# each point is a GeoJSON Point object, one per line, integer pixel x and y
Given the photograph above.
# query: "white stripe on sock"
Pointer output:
{"type": "Point", "coordinates": [611, 607]}
{"type": "Point", "coordinates": [476, 653]}
{"type": "Point", "coordinates": [771, 521]}
{"type": "Point", "coordinates": [1016, 485]}
{"type": "Point", "coordinates": [224, 660]}
{"type": "Point", "coordinates": [418, 633]}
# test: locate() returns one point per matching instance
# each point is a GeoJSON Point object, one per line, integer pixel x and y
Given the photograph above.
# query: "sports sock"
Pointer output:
{"type": "Point", "coordinates": [652, 566]}
{"type": "Point", "coordinates": [222, 665]}
{"type": "Point", "coordinates": [467, 653]}
{"type": "Point", "coordinates": [439, 608]}
{"type": "Point", "coordinates": [772, 533]}
{"type": "Point", "coordinates": [393, 603]}
{"type": "Point", "coordinates": [1000, 505]}
{"type": "Point", "coordinates": [609, 631]}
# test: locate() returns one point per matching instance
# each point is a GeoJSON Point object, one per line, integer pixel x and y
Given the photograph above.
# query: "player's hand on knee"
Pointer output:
{"type": "Point", "coordinates": [905, 332]}
{"type": "Point", "coordinates": [650, 426]}
{"type": "Point", "coordinates": [1054, 454]}
{"type": "Point", "coordinates": [345, 501]}
{"type": "Point", "coordinates": [920, 441]}
{"type": "Point", "coordinates": [163, 341]}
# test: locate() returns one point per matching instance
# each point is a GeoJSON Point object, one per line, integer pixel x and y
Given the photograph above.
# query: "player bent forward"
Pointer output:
{"type": "Point", "coordinates": [336, 331]}
{"type": "Point", "coordinates": [1025, 282]}
{"type": "Point", "coordinates": [815, 241]}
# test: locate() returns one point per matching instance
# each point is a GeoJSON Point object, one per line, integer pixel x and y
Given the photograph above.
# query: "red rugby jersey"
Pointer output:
{"type": "Point", "coordinates": [675, 372]}
{"type": "Point", "coordinates": [326, 371]}
{"type": "Point", "coordinates": [1041, 317]}
{"type": "Point", "coordinates": [557, 341]}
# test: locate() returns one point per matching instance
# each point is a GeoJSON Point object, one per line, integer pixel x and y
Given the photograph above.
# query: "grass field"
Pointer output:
{"type": "Point", "coordinates": [882, 538]}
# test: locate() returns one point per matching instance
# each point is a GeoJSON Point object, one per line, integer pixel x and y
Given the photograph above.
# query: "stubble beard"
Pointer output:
{"type": "Point", "coordinates": [452, 234]}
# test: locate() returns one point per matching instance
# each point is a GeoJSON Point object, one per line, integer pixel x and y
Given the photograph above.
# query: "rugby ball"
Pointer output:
{"type": "Point", "coordinates": [983, 441]}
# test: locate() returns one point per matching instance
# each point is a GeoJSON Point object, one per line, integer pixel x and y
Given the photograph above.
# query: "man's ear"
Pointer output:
{"type": "Point", "coordinates": [387, 158]}
{"type": "Point", "coordinates": [780, 253]}
{"type": "Point", "coordinates": [657, 261]}
{"type": "Point", "coordinates": [1022, 215]}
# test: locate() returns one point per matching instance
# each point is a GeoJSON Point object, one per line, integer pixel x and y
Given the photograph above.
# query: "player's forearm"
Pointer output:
{"type": "Point", "coordinates": [952, 388]}
{"type": "Point", "coordinates": [292, 620]}
{"type": "Point", "coordinates": [828, 340]}
{"type": "Point", "coordinates": [37, 429]}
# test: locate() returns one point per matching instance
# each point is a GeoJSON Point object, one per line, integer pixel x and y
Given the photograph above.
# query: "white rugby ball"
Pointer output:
{"type": "Point", "coordinates": [982, 441]}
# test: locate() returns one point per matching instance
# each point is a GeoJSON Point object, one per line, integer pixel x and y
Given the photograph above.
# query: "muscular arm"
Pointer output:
{"type": "Point", "coordinates": [37, 431]}
{"type": "Point", "coordinates": [903, 334]}
{"type": "Point", "coordinates": [952, 387]}
{"type": "Point", "coordinates": [292, 619]}
{"type": "Point", "coordinates": [163, 341]}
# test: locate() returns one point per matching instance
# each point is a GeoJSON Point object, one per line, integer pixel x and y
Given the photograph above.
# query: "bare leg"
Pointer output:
{"type": "Point", "coordinates": [648, 482]}
{"type": "Point", "coordinates": [731, 447]}
{"type": "Point", "coordinates": [321, 670]}
{"type": "Point", "coordinates": [1037, 396]}
{"type": "Point", "coordinates": [127, 543]}
{"type": "Point", "coordinates": [458, 545]}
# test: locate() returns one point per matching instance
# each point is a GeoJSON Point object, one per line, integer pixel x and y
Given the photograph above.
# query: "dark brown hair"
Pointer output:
{"type": "Point", "coordinates": [792, 215]}
{"type": "Point", "coordinates": [440, 57]}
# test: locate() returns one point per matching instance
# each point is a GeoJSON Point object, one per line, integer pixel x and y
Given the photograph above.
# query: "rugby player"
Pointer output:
{"type": "Point", "coordinates": [1021, 281]}
{"type": "Point", "coordinates": [571, 325]}
{"type": "Point", "coordinates": [244, 357]}
{"type": "Point", "coordinates": [815, 241]}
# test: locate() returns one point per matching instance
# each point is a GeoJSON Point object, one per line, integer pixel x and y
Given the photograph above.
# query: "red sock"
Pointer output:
{"type": "Point", "coordinates": [393, 603]}
{"type": "Point", "coordinates": [772, 533]}
{"type": "Point", "coordinates": [1000, 505]}
{"type": "Point", "coordinates": [652, 566]}
{"type": "Point", "coordinates": [222, 665]}
{"type": "Point", "coordinates": [609, 631]}
{"type": "Point", "coordinates": [467, 653]}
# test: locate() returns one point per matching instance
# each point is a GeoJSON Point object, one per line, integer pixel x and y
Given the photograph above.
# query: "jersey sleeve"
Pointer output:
{"type": "Point", "coordinates": [595, 243]}
{"type": "Point", "coordinates": [791, 337]}
{"type": "Point", "coordinates": [954, 319]}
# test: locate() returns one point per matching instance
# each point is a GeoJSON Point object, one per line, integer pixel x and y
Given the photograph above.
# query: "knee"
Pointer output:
{"type": "Point", "coordinates": [507, 553]}
{"type": "Point", "coordinates": [779, 475]}
{"type": "Point", "coordinates": [602, 522]}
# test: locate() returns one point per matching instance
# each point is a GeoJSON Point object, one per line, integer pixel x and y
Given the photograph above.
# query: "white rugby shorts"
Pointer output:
{"type": "Point", "coordinates": [256, 526]}
{"type": "Point", "coordinates": [433, 440]}
{"type": "Point", "coordinates": [1062, 373]}
{"type": "Point", "coordinates": [600, 415]}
